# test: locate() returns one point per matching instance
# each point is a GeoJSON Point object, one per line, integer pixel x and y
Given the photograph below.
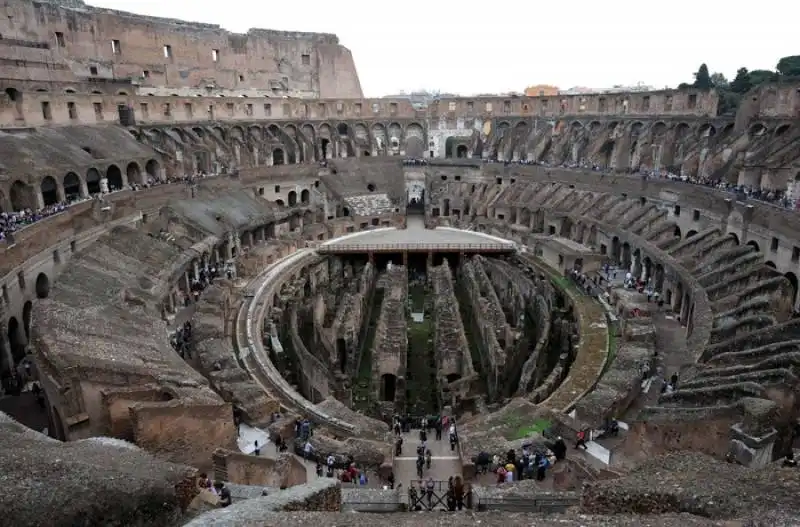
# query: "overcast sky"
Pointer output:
{"type": "Point", "coordinates": [506, 45]}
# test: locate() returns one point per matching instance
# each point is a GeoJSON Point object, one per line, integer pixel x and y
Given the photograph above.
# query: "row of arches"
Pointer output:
{"type": "Point", "coordinates": [72, 186]}
{"type": "Point", "coordinates": [18, 334]}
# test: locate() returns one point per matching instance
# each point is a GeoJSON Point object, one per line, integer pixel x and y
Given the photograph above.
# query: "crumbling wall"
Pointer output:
{"type": "Point", "coordinates": [182, 432]}
{"type": "Point", "coordinates": [390, 346]}
{"type": "Point", "coordinates": [488, 320]}
{"type": "Point", "coordinates": [452, 350]}
{"type": "Point", "coordinates": [247, 469]}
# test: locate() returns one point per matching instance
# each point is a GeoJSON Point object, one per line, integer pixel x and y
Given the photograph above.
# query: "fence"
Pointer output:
{"type": "Point", "coordinates": [333, 248]}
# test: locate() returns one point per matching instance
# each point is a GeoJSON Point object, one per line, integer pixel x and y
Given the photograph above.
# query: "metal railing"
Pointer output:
{"type": "Point", "coordinates": [411, 246]}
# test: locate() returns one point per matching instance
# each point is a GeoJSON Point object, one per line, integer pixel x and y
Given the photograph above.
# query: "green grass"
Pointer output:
{"type": "Point", "coordinates": [538, 427]}
{"type": "Point", "coordinates": [520, 427]}
{"type": "Point", "coordinates": [612, 349]}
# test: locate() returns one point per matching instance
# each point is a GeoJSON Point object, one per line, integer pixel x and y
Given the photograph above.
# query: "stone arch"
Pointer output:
{"type": "Point", "coordinates": [461, 151]}
{"type": "Point", "coordinates": [361, 132]}
{"type": "Point", "coordinates": [308, 131]}
{"type": "Point", "coordinates": [292, 197]}
{"type": "Point", "coordinates": [395, 136]}
{"type": "Point", "coordinates": [237, 132]}
{"type": "Point", "coordinates": [15, 339]}
{"type": "Point", "coordinates": [754, 244]}
{"type": "Point", "coordinates": [782, 129]}
{"type": "Point", "coordinates": [199, 132]}
{"type": "Point", "coordinates": [279, 202]}
{"type": "Point", "coordinates": [305, 197]}
{"type": "Point", "coordinates": [756, 130]}
{"type": "Point", "coordinates": [659, 129]}
{"type": "Point", "coordinates": [681, 130]}
{"type": "Point", "coordinates": [576, 125]}
{"type": "Point", "coordinates": [72, 186]}
{"type": "Point", "coordinates": [636, 128]}
{"type": "Point", "coordinates": [287, 150]}
{"type": "Point", "coordinates": [114, 177]}
{"type": "Point", "coordinates": [278, 157]}
{"type": "Point", "coordinates": [380, 136]}
{"type": "Point", "coordinates": [342, 129]}
{"type": "Point", "coordinates": [42, 286]}
{"type": "Point", "coordinates": [93, 181]}
{"type": "Point", "coordinates": [220, 131]}
{"type": "Point", "coordinates": [792, 278]}
{"type": "Point", "coordinates": [734, 236]}
{"type": "Point", "coordinates": [706, 130]}
{"type": "Point", "coordinates": [595, 127]}
{"type": "Point", "coordinates": [152, 168]}
{"type": "Point", "coordinates": [388, 387]}
{"type": "Point", "coordinates": [690, 234]}
{"type": "Point", "coordinates": [771, 264]}
{"type": "Point", "coordinates": [727, 130]}
{"type": "Point", "coordinates": [415, 140]}
{"type": "Point", "coordinates": [612, 126]}
{"type": "Point", "coordinates": [677, 231]}
{"type": "Point", "coordinates": [49, 189]}
{"type": "Point", "coordinates": [27, 315]}
{"type": "Point", "coordinates": [134, 172]}
{"type": "Point", "coordinates": [21, 196]}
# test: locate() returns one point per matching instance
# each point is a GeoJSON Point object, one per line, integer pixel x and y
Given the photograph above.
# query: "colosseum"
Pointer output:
{"type": "Point", "coordinates": [230, 279]}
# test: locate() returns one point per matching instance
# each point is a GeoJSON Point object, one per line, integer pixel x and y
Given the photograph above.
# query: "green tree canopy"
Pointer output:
{"type": "Point", "coordinates": [789, 66]}
{"type": "Point", "coordinates": [741, 83]}
{"type": "Point", "coordinates": [702, 79]}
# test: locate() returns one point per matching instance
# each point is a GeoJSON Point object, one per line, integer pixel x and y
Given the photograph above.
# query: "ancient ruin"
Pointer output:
{"type": "Point", "coordinates": [218, 259]}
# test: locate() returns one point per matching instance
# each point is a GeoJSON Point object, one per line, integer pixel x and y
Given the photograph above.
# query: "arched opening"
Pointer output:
{"type": "Point", "coordinates": [461, 151]}
{"type": "Point", "coordinates": [27, 311]}
{"type": "Point", "coordinates": [342, 129]}
{"type": "Point", "coordinates": [793, 282]}
{"type": "Point", "coordinates": [690, 234]}
{"type": "Point", "coordinates": [324, 144]}
{"type": "Point", "coordinates": [371, 187]}
{"type": "Point", "coordinates": [388, 387]}
{"type": "Point", "coordinates": [754, 245]}
{"type": "Point", "coordinates": [93, 181]}
{"type": "Point", "coordinates": [365, 153]}
{"type": "Point", "coordinates": [449, 150]}
{"type": "Point", "coordinates": [49, 189]}
{"type": "Point", "coordinates": [134, 173]}
{"type": "Point", "coordinates": [782, 129]}
{"type": "Point", "coordinates": [21, 196]}
{"type": "Point", "coordinates": [771, 264]}
{"type": "Point", "coordinates": [341, 354]}
{"type": "Point", "coordinates": [15, 340]}
{"type": "Point", "coordinates": [42, 286]}
{"type": "Point", "coordinates": [345, 211]}
{"type": "Point", "coordinates": [305, 197]}
{"type": "Point", "coordinates": [277, 157]}
{"type": "Point", "coordinates": [15, 97]}
{"type": "Point", "coordinates": [72, 186]}
{"type": "Point", "coordinates": [734, 236]}
{"type": "Point", "coordinates": [292, 198]}
{"type": "Point", "coordinates": [114, 177]}
{"type": "Point", "coordinates": [677, 232]}
{"type": "Point", "coordinates": [152, 169]}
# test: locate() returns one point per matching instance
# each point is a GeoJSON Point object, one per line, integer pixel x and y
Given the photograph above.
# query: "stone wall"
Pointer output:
{"type": "Point", "coordinates": [183, 433]}
{"type": "Point", "coordinates": [488, 320]}
{"type": "Point", "coordinates": [390, 344]}
{"type": "Point", "coordinates": [320, 495]}
{"type": "Point", "coordinates": [74, 43]}
{"type": "Point", "coordinates": [450, 343]}
{"type": "Point", "coordinates": [246, 469]}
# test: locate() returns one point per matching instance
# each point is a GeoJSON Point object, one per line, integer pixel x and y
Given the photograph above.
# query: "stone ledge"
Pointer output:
{"type": "Point", "coordinates": [323, 494]}
{"type": "Point", "coordinates": [592, 355]}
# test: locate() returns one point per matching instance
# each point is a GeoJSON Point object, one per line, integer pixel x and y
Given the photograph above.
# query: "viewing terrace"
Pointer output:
{"type": "Point", "coordinates": [416, 238]}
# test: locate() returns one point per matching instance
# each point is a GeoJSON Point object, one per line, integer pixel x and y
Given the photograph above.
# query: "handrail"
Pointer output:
{"type": "Point", "coordinates": [251, 350]}
{"type": "Point", "coordinates": [347, 247]}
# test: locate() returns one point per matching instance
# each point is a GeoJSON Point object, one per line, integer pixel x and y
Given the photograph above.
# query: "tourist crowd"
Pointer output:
{"type": "Point", "coordinates": [16, 220]}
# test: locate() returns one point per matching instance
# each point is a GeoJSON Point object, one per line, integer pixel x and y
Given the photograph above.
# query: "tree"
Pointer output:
{"type": "Point", "coordinates": [762, 76]}
{"type": "Point", "coordinates": [702, 79]}
{"type": "Point", "coordinates": [789, 66]}
{"type": "Point", "coordinates": [741, 83]}
{"type": "Point", "coordinates": [719, 81]}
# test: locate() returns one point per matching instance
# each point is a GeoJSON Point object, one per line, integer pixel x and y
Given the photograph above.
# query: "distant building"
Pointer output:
{"type": "Point", "coordinates": [541, 90]}
{"type": "Point", "coordinates": [582, 90]}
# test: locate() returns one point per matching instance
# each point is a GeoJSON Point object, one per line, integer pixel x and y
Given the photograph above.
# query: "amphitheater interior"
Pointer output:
{"type": "Point", "coordinates": [209, 277]}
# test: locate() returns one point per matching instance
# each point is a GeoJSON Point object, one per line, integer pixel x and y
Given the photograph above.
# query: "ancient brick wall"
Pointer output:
{"type": "Point", "coordinates": [247, 469]}
{"type": "Point", "coordinates": [390, 344]}
{"type": "Point", "coordinates": [66, 44]}
{"type": "Point", "coordinates": [450, 342]}
{"type": "Point", "coordinates": [181, 432]}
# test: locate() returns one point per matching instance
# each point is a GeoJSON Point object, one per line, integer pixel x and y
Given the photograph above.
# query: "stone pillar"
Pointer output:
{"type": "Point", "coordinates": [752, 441]}
{"type": "Point", "coordinates": [6, 357]}
{"type": "Point", "coordinates": [371, 257]}
{"type": "Point", "coordinates": [405, 258]}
